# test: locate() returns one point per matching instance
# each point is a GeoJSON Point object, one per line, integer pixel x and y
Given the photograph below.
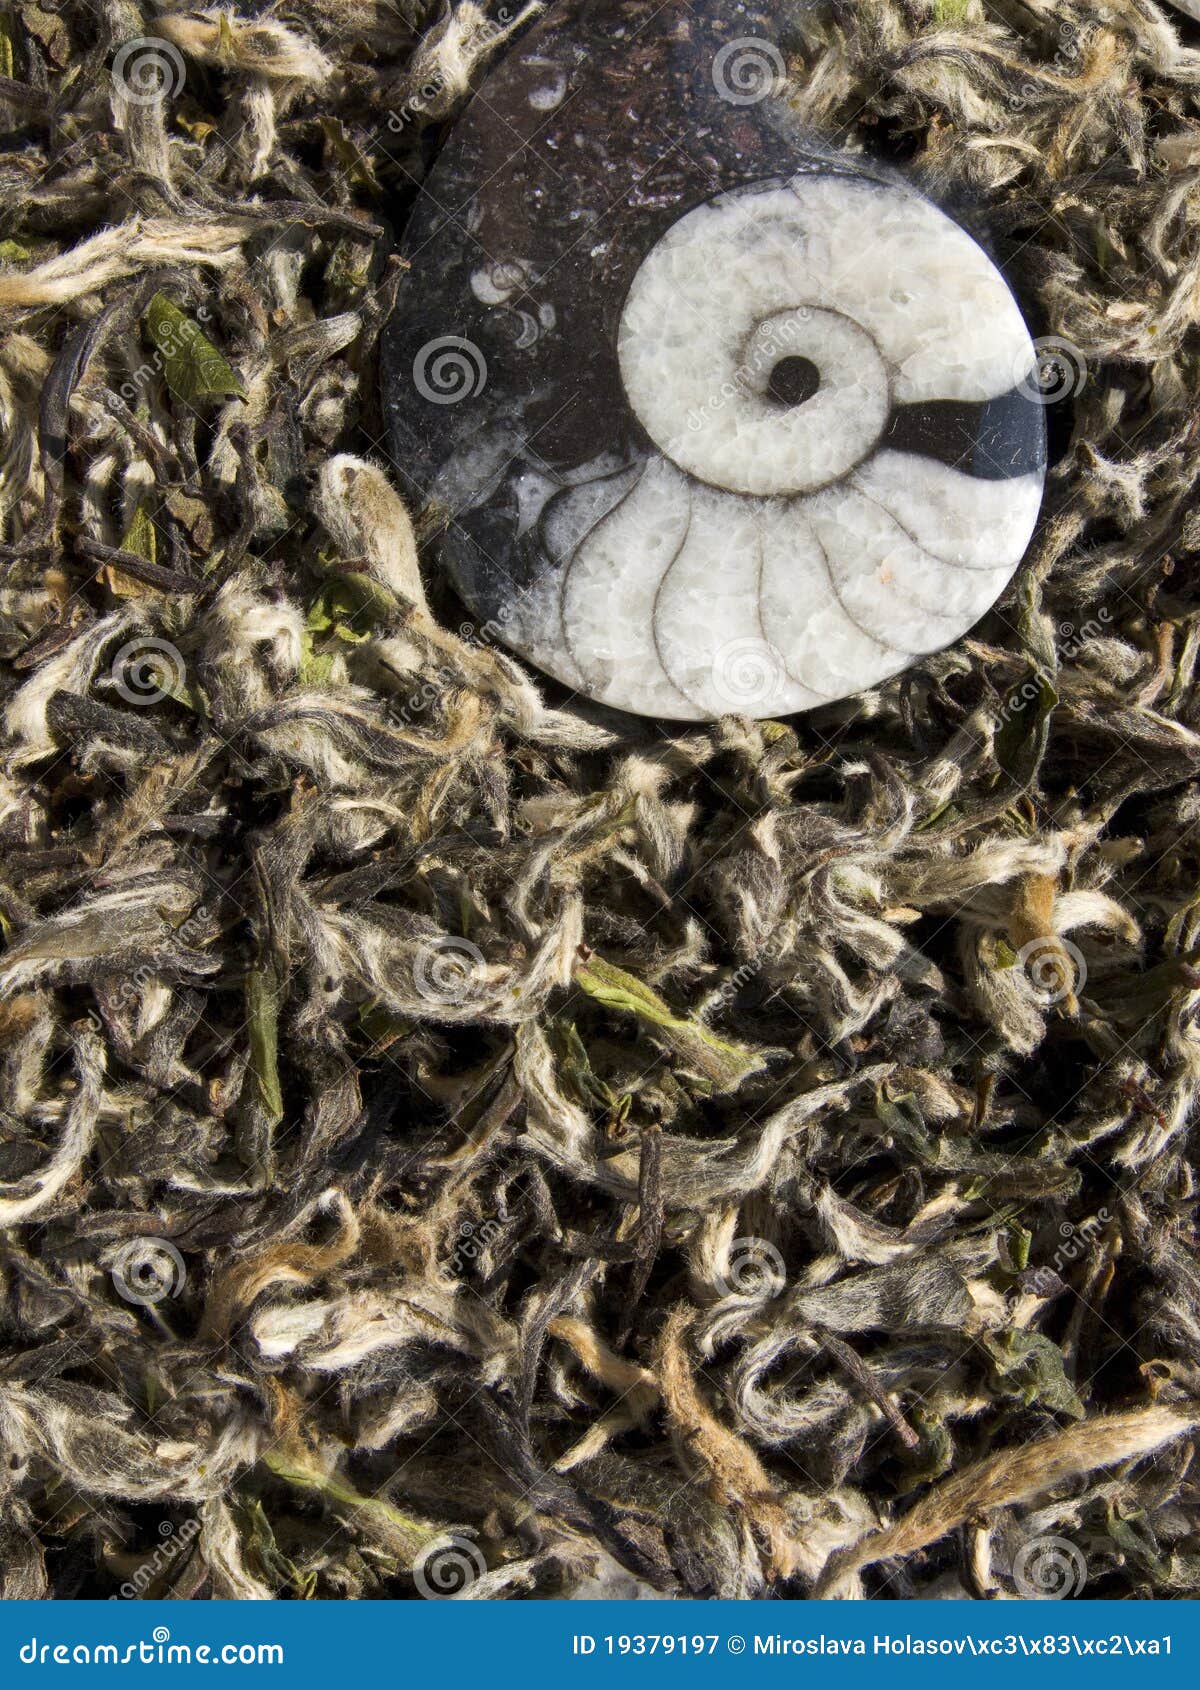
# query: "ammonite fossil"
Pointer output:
{"type": "Point", "coordinates": [720, 419]}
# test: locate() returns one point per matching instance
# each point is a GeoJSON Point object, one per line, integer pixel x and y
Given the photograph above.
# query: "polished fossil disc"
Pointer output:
{"type": "Point", "coordinates": [719, 420]}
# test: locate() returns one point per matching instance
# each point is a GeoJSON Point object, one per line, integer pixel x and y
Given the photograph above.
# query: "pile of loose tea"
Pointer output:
{"type": "Point", "coordinates": [457, 1139]}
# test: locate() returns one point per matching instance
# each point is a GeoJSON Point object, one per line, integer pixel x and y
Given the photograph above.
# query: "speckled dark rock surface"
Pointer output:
{"type": "Point", "coordinates": [575, 193]}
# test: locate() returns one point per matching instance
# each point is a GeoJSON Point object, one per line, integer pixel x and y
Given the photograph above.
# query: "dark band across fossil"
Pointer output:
{"type": "Point", "coordinates": [992, 441]}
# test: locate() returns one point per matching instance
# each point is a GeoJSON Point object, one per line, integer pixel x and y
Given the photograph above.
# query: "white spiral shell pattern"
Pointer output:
{"type": "Point", "coordinates": [793, 528]}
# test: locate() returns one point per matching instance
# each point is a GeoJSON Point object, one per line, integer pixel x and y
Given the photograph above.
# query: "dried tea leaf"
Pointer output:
{"type": "Point", "coordinates": [193, 367]}
{"type": "Point", "coordinates": [141, 539]}
{"type": "Point", "coordinates": [413, 1535]}
{"type": "Point", "coordinates": [48, 28]}
{"type": "Point", "coordinates": [576, 1071]}
{"type": "Point", "coordinates": [383, 1028]}
{"type": "Point", "coordinates": [1033, 1365]}
{"type": "Point", "coordinates": [262, 1009]}
{"type": "Point", "coordinates": [349, 266]}
{"type": "Point", "coordinates": [192, 118]}
{"type": "Point", "coordinates": [726, 1065]}
{"type": "Point", "coordinates": [1021, 742]}
{"type": "Point", "coordinates": [356, 167]}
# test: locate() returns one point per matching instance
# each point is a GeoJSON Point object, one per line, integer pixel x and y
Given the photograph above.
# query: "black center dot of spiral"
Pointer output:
{"type": "Point", "coordinates": [793, 381]}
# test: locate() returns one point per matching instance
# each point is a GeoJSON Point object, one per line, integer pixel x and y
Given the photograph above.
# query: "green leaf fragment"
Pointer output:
{"type": "Point", "coordinates": [1019, 1241]}
{"type": "Point", "coordinates": [383, 1028]}
{"type": "Point", "coordinates": [328, 616]}
{"type": "Point", "coordinates": [576, 1071]}
{"type": "Point", "coordinates": [140, 538]}
{"type": "Point", "coordinates": [1021, 742]}
{"type": "Point", "coordinates": [724, 1064]}
{"type": "Point", "coordinates": [316, 667]}
{"type": "Point", "coordinates": [413, 1534]}
{"type": "Point", "coordinates": [259, 1547]}
{"type": "Point", "coordinates": [193, 367]}
{"type": "Point", "coordinates": [1032, 1367]}
{"type": "Point", "coordinates": [936, 1453]}
{"type": "Point", "coordinates": [356, 167]}
{"type": "Point", "coordinates": [348, 605]}
{"type": "Point", "coordinates": [262, 1010]}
